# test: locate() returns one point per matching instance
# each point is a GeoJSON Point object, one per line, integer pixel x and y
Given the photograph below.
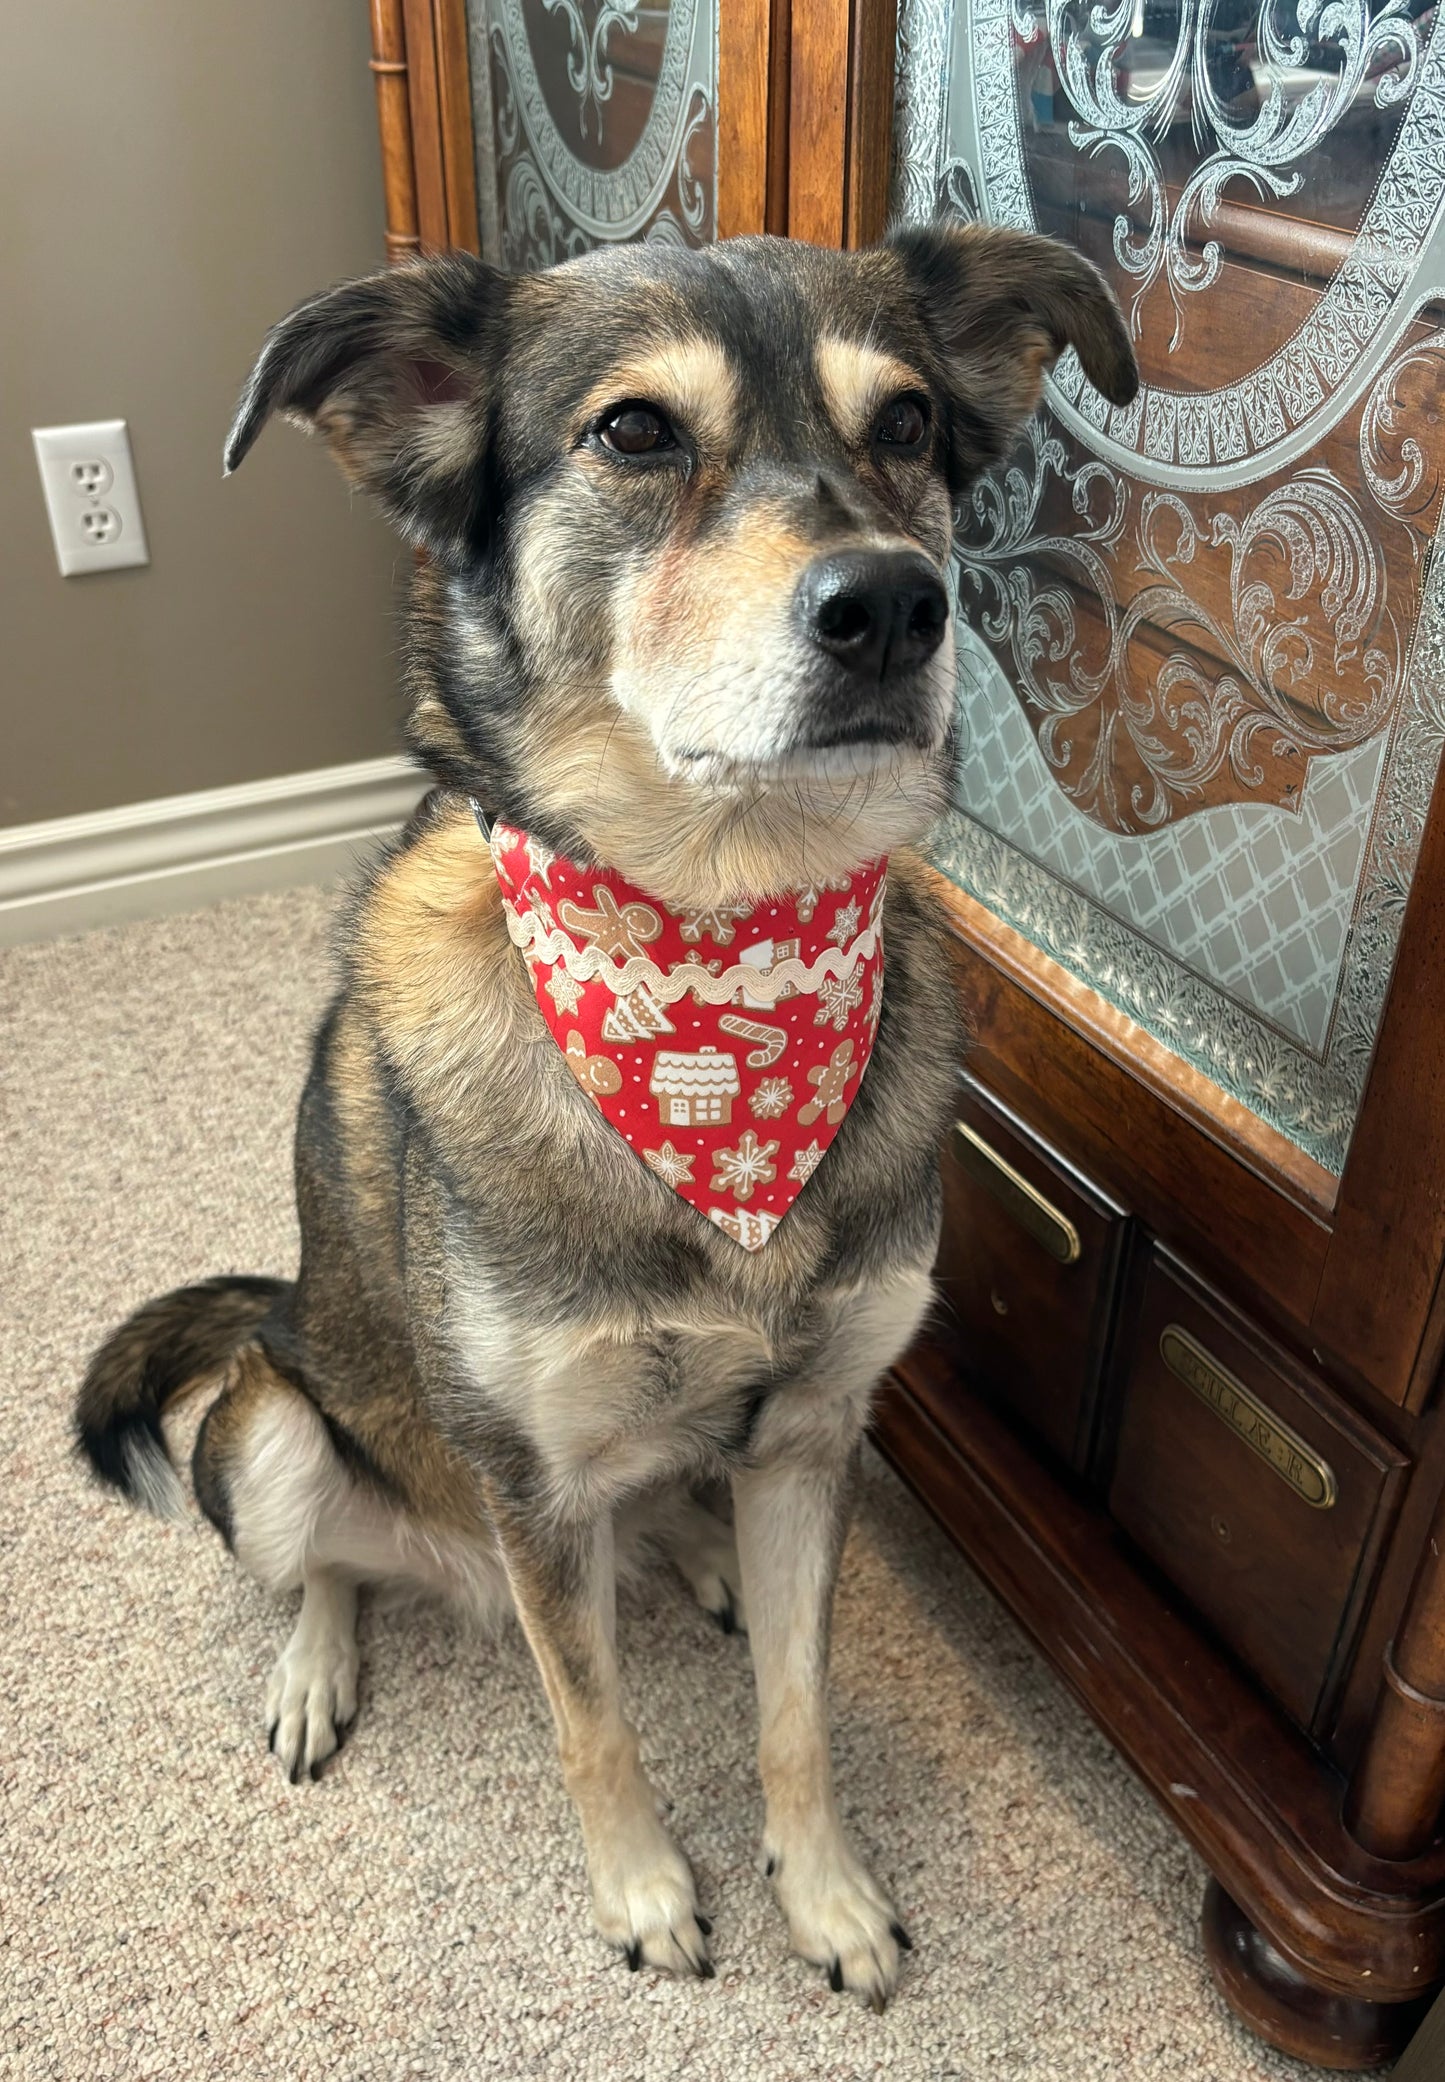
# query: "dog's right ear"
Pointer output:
{"type": "Point", "coordinates": [1004, 305]}
{"type": "Point", "coordinates": [397, 372]}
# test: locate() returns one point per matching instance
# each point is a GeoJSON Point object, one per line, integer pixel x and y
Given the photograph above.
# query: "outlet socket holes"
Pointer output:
{"type": "Point", "coordinates": [99, 524]}
{"type": "Point", "coordinates": [92, 478]}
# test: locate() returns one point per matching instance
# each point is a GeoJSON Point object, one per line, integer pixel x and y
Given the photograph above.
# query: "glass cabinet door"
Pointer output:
{"type": "Point", "coordinates": [1202, 637]}
{"type": "Point", "coordinates": [594, 121]}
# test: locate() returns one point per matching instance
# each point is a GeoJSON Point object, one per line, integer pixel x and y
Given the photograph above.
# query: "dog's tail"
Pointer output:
{"type": "Point", "coordinates": [173, 1344]}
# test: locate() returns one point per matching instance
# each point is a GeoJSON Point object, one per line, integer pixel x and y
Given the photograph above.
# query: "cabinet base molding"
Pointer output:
{"type": "Point", "coordinates": [1276, 2001]}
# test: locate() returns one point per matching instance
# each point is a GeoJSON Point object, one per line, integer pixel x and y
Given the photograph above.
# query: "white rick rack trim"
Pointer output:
{"type": "Point", "coordinates": [764, 987]}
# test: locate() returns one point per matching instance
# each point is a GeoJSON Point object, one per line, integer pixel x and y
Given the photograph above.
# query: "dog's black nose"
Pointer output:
{"type": "Point", "coordinates": [879, 613]}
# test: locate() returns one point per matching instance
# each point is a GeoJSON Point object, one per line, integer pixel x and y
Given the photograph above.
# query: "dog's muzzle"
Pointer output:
{"type": "Point", "coordinates": [873, 621]}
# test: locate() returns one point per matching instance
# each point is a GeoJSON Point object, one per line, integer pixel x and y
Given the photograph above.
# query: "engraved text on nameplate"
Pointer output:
{"type": "Point", "coordinates": [1286, 1452]}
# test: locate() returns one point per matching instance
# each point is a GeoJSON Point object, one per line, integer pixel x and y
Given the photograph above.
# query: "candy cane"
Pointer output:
{"type": "Point", "coordinates": [772, 1040]}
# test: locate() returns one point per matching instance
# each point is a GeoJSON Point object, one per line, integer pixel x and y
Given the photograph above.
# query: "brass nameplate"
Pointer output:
{"type": "Point", "coordinates": [1286, 1452]}
{"type": "Point", "coordinates": [1024, 1202]}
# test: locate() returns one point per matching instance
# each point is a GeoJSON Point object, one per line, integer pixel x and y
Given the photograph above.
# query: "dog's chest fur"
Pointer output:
{"type": "Point", "coordinates": [570, 1299]}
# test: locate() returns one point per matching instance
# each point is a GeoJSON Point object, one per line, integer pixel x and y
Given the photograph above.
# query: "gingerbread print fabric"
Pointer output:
{"type": "Point", "coordinates": [724, 1046]}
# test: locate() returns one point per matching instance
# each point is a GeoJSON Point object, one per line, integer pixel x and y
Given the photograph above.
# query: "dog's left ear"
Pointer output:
{"type": "Point", "coordinates": [1002, 306]}
{"type": "Point", "coordinates": [397, 371]}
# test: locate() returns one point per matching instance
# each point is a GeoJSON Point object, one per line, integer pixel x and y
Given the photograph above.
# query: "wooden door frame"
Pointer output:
{"type": "Point", "coordinates": [840, 130]}
{"type": "Point", "coordinates": [424, 110]}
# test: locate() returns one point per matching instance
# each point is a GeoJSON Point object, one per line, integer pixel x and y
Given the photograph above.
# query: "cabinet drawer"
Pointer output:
{"type": "Point", "coordinates": [1255, 1488]}
{"type": "Point", "coordinates": [1028, 1268]}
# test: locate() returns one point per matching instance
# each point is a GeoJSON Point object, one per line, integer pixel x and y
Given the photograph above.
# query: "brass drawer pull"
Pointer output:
{"type": "Point", "coordinates": [1043, 1221]}
{"type": "Point", "coordinates": [1265, 1434]}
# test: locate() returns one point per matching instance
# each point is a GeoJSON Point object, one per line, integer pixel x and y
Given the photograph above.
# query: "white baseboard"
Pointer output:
{"type": "Point", "coordinates": [182, 851]}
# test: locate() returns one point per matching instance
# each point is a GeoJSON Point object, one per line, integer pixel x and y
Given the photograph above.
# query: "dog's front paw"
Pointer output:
{"type": "Point", "coordinates": [837, 1915]}
{"type": "Point", "coordinates": [643, 1898]}
{"type": "Point", "coordinates": [311, 1701]}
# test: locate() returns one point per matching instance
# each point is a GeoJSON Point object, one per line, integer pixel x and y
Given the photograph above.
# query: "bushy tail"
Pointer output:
{"type": "Point", "coordinates": [170, 1345]}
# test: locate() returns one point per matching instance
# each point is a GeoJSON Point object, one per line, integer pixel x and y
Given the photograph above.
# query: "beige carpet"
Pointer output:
{"type": "Point", "coordinates": [170, 1907]}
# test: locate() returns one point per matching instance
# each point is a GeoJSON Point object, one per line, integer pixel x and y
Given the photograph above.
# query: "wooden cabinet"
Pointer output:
{"type": "Point", "coordinates": [1181, 1405]}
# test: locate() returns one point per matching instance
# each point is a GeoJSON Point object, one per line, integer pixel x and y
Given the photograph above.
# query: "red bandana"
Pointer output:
{"type": "Point", "coordinates": [725, 1046]}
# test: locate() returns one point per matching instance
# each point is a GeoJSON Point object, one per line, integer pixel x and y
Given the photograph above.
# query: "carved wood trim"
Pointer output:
{"type": "Point", "coordinates": [840, 129]}
{"type": "Point", "coordinates": [454, 108]}
{"type": "Point", "coordinates": [427, 127]}
{"type": "Point", "coordinates": [1380, 1307]}
{"type": "Point", "coordinates": [393, 115]}
{"type": "Point", "coordinates": [424, 100]}
{"type": "Point", "coordinates": [1287, 2009]}
{"type": "Point", "coordinates": [818, 102]}
{"type": "Point", "coordinates": [780, 89]}
{"type": "Point", "coordinates": [872, 41]}
{"type": "Point", "coordinates": [751, 53]}
{"type": "Point", "coordinates": [1397, 1794]}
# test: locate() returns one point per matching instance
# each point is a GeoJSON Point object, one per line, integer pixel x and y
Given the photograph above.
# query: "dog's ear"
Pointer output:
{"type": "Point", "coordinates": [1002, 306]}
{"type": "Point", "coordinates": [397, 372]}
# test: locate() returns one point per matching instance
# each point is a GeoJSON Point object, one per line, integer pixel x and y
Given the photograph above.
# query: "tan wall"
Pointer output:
{"type": "Point", "coordinates": [173, 179]}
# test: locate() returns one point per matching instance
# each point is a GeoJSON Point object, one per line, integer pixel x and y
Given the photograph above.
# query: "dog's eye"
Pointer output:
{"type": "Point", "coordinates": [636, 429]}
{"type": "Point", "coordinates": [903, 422]}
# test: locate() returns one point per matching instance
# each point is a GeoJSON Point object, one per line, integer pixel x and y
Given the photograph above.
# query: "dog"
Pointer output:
{"type": "Point", "coordinates": [680, 618]}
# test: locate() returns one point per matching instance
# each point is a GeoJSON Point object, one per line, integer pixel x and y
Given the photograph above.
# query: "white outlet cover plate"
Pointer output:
{"type": "Point", "coordinates": [100, 440]}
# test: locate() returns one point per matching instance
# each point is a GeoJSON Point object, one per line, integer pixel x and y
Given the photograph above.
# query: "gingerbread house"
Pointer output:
{"type": "Point", "coordinates": [694, 1091]}
{"type": "Point", "coordinates": [765, 955]}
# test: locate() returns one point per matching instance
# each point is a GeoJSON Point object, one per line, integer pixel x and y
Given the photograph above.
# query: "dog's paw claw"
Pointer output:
{"type": "Point", "coordinates": [643, 1898]}
{"type": "Point", "coordinates": [839, 1919]}
{"type": "Point", "coordinates": [310, 1705]}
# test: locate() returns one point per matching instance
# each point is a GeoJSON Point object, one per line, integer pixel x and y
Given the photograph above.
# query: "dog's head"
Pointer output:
{"type": "Point", "coordinates": [687, 523]}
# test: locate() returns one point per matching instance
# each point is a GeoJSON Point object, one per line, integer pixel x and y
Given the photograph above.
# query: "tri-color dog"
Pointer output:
{"type": "Point", "coordinates": [681, 624]}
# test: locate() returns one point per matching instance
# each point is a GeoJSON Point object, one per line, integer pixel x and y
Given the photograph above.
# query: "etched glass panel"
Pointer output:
{"type": "Point", "coordinates": [1202, 637]}
{"type": "Point", "coordinates": [594, 121]}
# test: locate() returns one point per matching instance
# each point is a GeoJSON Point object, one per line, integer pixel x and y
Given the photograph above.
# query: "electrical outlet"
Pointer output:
{"type": "Point", "coordinates": [91, 496]}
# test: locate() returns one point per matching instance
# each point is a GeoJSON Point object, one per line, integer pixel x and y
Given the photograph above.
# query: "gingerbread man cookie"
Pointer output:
{"type": "Point", "coordinates": [619, 931]}
{"type": "Point", "coordinates": [832, 1080]}
{"type": "Point", "coordinates": [595, 1073]}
